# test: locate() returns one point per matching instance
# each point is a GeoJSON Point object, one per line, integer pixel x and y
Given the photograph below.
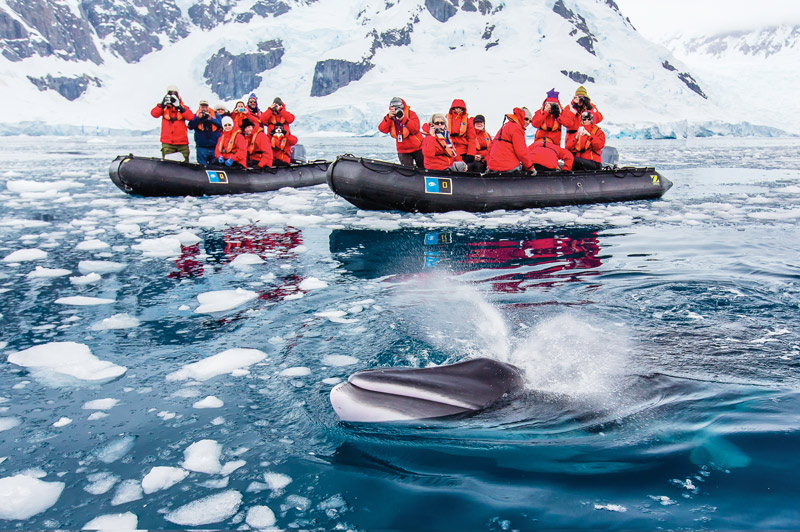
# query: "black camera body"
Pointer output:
{"type": "Point", "coordinates": [585, 102]}
{"type": "Point", "coordinates": [398, 113]}
{"type": "Point", "coordinates": [554, 110]}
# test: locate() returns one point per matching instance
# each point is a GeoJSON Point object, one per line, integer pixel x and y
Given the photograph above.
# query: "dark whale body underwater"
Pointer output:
{"type": "Point", "coordinates": [404, 394]}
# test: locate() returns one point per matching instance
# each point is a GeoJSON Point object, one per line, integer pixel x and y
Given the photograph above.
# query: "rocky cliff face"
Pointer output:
{"type": "Point", "coordinates": [230, 75]}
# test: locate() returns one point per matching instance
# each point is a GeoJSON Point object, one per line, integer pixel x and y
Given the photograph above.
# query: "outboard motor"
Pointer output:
{"type": "Point", "coordinates": [609, 156]}
{"type": "Point", "coordinates": [299, 154]}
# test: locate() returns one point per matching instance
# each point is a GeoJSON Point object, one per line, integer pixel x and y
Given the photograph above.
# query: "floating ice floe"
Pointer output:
{"type": "Point", "coordinates": [62, 422]}
{"type": "Point", "coordinates": [21, 186]}
{"type": "Point", "coordinates": [208, 402]}
{"type": "Point", "coordinates": [101, 483]}
{"type": "Point", "coordinates": [85, 279]}
{"type": "Point", "coordinates": [339, 360]}
{"type": "Point", "coordinates": [128, 229]}
{"type": "Point", "coordinates": [276, 481]}
{"type": "Point", "coordinates": [22, 497]}
{"type": "Point", "coordinates": [222, 300]}
{"type": "Point", "coordinates": [162, 477]}
{"type": "Point", "coordinates": [125, 521]}
{"type": "Point", "coordinates": [117, 321]}
{"type": "Point", "coordinates": [127, 491]}
{"type": "Point", "coordinates": [610, 507]}
{"type": "Point", "coordinates": [67, 359]}
{"type": "Point", "coordinates": [100, 266]}
{"type": "Point", "coordinates": [203, 457]}
{"type": "Point", "coordinates": [219, 364]}
{"type": "Point", "coordinates": [297, 371]}
{"type": "Point", "coordinates": [83, 301]}
{"type": "Point", "coordinates": [211, 509]}
{"type": "Point", "coordinates": [91, 245]}
{"type": "Point", "coordinates": [245, 260]}
{"type": "Point", "coordinates": [260, 517]}
{"type": "Point", "coordinates": [7, 423]}
{"type": "Point", "coordinates": [100, 404]}
{"type": "Point", "coordinates": [25, 255]}
{"type": "Point", "coordinates": [166, 246]}
{"type": "Point", "coordinates": [312, 283]}
{"type": "Point", "coordinates": [42, 273]}
{"type": "Point", "coordinates": [115, 449]}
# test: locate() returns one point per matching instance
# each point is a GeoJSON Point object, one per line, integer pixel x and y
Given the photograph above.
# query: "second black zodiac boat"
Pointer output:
{"type": "Point", "coordinates": [378, 185]}
{"type": "Point", "coordinates": [146, 176]}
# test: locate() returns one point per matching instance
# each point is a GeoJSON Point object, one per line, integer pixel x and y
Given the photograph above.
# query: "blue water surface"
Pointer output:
{"type": "Point", "coordinates": [660, 342]}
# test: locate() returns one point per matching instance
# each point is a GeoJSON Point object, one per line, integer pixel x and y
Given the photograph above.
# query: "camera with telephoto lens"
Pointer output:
{"type": "Point", "coordinates": [584, 101]}
{"type": "Point", "coordinates": [398, 112]}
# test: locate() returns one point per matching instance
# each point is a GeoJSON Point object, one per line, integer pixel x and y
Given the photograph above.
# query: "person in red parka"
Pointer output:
{"type": "Point", "coordinates": [462, 132]}
{"type": "Point", "coordinates": [276, 114]}
{"type": "Point", "coordinates": [438, 150]}
{"type": "Point", "coordinates": [239, 113]}
{"type": "Point", "coordinates": [483, 143]}
{"type": "Point", "coordinates": [173, 115]}
{"type": "Point", "coordinates": [232, 146]}
{"type": "Point", "coordinates": [282, 142]}
{"type": "Point", "coordinates": [580, 103]}
{"type": "Point", "coordinates": [509, 150]}
{"type": "Point", "coordinates": [546, 155]}
{"type": "Point", "coordinates": [403, 124]}
{"type": "Point", "coordinates": [259, 147]}
{"type": "Point", "coordinates": [549, 119]}
{"type": "Point", "coordinates": [587, 144]}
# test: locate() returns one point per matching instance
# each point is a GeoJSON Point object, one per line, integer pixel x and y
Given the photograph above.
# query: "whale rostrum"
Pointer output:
{"type": "Point", "coordinates": [402, 394]}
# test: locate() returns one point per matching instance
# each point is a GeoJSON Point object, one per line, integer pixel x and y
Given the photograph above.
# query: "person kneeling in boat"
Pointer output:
{"type": "Point", "coordinates": [403, 124]}
{"type": "Point", "coordinates": [207, 128]}
{"type": "Point", "coordinates": [232, 146]}
{"type": "Point", "coordinates": [259, 148]}
{"type": "Point", "coordinates": [437, 149]}
{"type": "Point", "coordinates": [547, 155]}
{"type": "Point", "coordinates": [173, 114]}
{"type": "Point", "coordinates": [509, 151]}
{"type": "Point", "coordinates": [282, 142]}
{"type": "Point", "coordinates": [587, 144]}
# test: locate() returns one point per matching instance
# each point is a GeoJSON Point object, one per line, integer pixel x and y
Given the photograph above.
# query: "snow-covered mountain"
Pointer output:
{"type": "Point", "coordinates": [336, 64]}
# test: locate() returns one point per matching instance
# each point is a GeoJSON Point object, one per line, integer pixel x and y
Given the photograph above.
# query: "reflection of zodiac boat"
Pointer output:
{"type": "Point", "coordinates": [560, 255]}
{"type": "Point", "coordinates": [234, 241]}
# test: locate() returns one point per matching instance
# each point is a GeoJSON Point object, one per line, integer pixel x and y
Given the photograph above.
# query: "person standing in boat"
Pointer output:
{"type": "Point", "coordinates": [276, 114]}
{"type": "Point", "coordinates": [259, 148]}
{"type": "Point", "coordinates": [580, 103]}
{"type": "Point", "coordinates": [403, 124]}
{"type": "Point", "coordinates": [232, 146]}
{"type": "Point", "coordinates": [173, 115]}
{"type": "Point", "coordinates": [587, 144]}
{"type": "Point", "coordinates": [547, 155]}
{"type": "Point", "coordinates": [438, 150]}
{"type": "Point", "coordinates": [462, 132]}
{"type": "Point", "coordinates": [282, 142]}
{"type": "Point", "coordinates": [207, 128]}
{"type": "Point", "coordinates": [483, 143]}
{"type": "Point", "coordinates": [509, 151]}
{"type": "Point", "coordinates": [549, 119]}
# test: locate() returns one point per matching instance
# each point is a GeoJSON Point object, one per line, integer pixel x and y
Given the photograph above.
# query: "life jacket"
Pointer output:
{"type": "Point", "coordinates": [279, 143]}
{"type": "Point", "coordinates": [167, 115]}
{"type": "Point", "coordinates": [253, 151]}
{"type": "Point", "coordinates": [583, 149]}
{"type": "Point", "coordinates": [404, 133]}
{"type": "Point", "coordinates": [214, 127]}
{"type": "Point", "coordinates": [228, 148]}
{"type": "Point", "coordinates": [456, 128]}
{"type": "Point", "coordinates": [482, 142]}
{"type": "Point", "coordinates": [554, 126]}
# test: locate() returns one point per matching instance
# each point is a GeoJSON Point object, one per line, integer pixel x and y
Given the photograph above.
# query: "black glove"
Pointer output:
{"type": "Point", "coordinates": [166, 101]}
{"type": "Point", "coordinates": [468, 158]}
{"type": "Point", "coordinates": [181, 109]}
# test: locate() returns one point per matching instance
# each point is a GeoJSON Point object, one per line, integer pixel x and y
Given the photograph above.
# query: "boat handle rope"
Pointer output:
{"type": "Point", "coordinates": [410, 173]}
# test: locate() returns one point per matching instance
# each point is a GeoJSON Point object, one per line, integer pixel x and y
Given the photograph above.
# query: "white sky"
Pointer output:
{"type": "Point", "coordinates": [659, 18]}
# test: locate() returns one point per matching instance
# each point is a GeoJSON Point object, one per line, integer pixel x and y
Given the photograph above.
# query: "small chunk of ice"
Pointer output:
{"type": "Point", "coordinates": [219, 364]}
{"type": "Point", "coordinates": [222, 300]}
{"type": "Point", "coordinates": [66, 358]}
{"type": "Point", "coordinates": [117, 321]}
{"type": "Point", "coordinates": [203, 457]}
{"type": "Point", "coordinates": [24, 255]}
{"type": "Point", "coordinates": [260, 517]}
{"type": "Point", "coordinates": [211, 509]}
{"type": "Point", "coordinates": [126, 521]}
{"type": "Point", "coordinates": [162, 477]}
{"type": "Point", "coordinates": [208, 402]}
{"type": "Point", "coordinates": [22, 497]}
{"type": "Point", "coordinates": [83, 301]}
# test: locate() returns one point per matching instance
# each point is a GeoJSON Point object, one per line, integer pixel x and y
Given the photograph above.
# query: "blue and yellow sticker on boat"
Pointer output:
{"type": "Point", "coordinates": [438, 185]}
{"type": "Point", "coordinates": [215, 176]}
{"type": "Point", "coordinates": [654, 178]}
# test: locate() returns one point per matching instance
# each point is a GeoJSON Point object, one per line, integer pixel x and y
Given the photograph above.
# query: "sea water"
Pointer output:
{"type": "Point", "coordinates": [166, 363]}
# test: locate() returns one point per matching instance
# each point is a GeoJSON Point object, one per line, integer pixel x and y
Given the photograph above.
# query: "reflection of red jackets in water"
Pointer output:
{"type": "Point", "coordinates": [546, 153]}
{"type": "Point", "coordinates": [260, 241]}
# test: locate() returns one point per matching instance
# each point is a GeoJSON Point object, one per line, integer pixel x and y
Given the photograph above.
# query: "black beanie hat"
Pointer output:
{"type": "Point", "coordinates": [479, 118]}
{"type": "Point", "coordinates": [246, 122]}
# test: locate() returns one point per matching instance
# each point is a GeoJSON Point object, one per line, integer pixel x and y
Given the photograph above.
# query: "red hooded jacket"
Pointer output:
{"type": "Point", "coordinates": [173, 123]}
{"type": "Point", "coordinates": [547, 126]}
{"type": "Point", "coordinates": [405, 131]}
{"type": "Point", "coordinates": [575, 121]}
{"type": "Point", "coordinates": [232, 145]}
{"type": "Point", "coordinates": [462, 132]}
{"type": "Point", "coordinates": [546, 153]}
{"type": "Point", "coordinates": [270, 118]}
{"type": "Point", "coordinates": [259, 148]}
{"type": "Point", "coordinates": [590, 145]}
{"type": "Point", "coordinates": [508, 147]}
{"type": "Point", "coordinates": [483, 143]}
{"type": "Point", "coordinates": [438, 155]}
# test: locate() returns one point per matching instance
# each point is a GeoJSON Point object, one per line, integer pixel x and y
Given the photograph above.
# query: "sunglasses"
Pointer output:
{"type": "Point", "coordinates": [440, 123]}
{"type": "Point", "coordinates": [589, 118]}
